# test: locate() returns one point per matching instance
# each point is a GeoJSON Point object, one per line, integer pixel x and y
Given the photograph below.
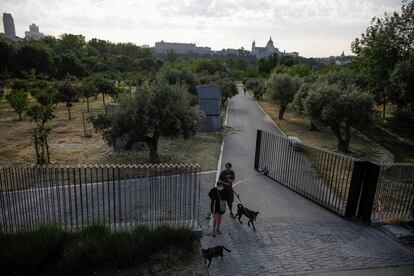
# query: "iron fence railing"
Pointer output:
{"type": "Point", "coordinates": [323, 176]}
{"type": "Point", "coordinates": [117, 196]}
{"type": "Point", "coordinates": [207, 181]}
{"type": "Point", "coordinates": [394, 196]}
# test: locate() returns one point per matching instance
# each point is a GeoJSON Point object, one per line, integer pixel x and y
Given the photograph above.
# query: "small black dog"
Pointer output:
{"type": "Point", "coordinates": [251, 215]}
{"type": "Point", "coordinates": [210, 253]}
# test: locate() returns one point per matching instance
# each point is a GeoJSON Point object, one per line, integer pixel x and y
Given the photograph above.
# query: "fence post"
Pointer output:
{"type": "Point", "coordinates": [257, 152]}
{"type": "Point", "coordinates": [369, 188]}
{"type": "Point", "coordinates": [355, 188]}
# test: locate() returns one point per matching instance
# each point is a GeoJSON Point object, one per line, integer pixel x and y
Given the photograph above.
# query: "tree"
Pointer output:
{"type": "Point", "coordinates": [18, 101]}
{"type": "Point", "coordinates": [41, 114]}
{"type": "Point", "coordinates": [402, 80]}
{"type": "Point", "coordinates": [152, 112]}
{"type": "Point", "coordinates": [35, 57]}
{"type": "Point", "coordinates": [44, 95]}
{"type": "Point", "coordinates": [386, 42]}
{"type": "Point", "coordinates": [282, 88]}
{"type": "Point", "coordinates": [257, 86]}
{"type": "Point", "coordinates": [228, 89]}
{"type": "Point", "coordinates": [171, 55]}
{"type": "Point", "coordinates": [106, 86]}
{"type": "Point", "coordinates": [88, 90]}
{"type": "Point", "coordinates": [69, 93]}
{"type": "Point", "coordinates": [299, 103]}
{"type": "Point", "coordinates": [71, 64]}
{"type": "Point", "coordinates": [8, 55]}
{"type": "Point", "coordinates": [340, 110]}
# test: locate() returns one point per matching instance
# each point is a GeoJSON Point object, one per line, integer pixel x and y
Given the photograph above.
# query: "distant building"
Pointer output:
{"type": "Point", "coordinates": [34, 33]}
{"type": "Point", "coordinates": [269, 50]}
{"type": "Point", "coordinates": [229, 52]}
{"type": "Point", "coordinates": [342, 60]}
{"type": "Point", "coordinates": [8, 23]}
{"type": "Point", "coordinates": [181, 48]}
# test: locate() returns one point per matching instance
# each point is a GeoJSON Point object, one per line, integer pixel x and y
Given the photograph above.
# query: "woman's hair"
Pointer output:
{"type": "Point", "coordinates": [219, 183]}
{"type": "Point", "coordinates": [228, 165]}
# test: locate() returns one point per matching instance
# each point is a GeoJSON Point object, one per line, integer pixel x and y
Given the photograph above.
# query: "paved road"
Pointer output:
{"type": "Point", "coordinates": [294, 235]}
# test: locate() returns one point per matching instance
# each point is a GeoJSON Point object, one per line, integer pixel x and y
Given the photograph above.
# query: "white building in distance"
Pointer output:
{"type": "Point", "coordinates": [269, 50]}
{"type": "Point", "coordinates": [34, 33]}
{"type": "Point", "coordinates": [181, 48]}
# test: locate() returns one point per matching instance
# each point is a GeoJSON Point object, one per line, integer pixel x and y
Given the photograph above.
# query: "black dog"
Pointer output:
{"type": "Point", "coordinates": [251, 215]}
{"type": "Point", "coordinates": [210, 253]}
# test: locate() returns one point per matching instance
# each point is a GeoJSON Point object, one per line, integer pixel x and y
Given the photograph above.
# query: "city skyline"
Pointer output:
{"type": "Point", "coordinates": [318, 29]}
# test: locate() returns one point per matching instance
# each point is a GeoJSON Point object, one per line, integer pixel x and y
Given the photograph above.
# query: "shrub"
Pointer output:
{"type": "Point", "coordinates": [49, 249]}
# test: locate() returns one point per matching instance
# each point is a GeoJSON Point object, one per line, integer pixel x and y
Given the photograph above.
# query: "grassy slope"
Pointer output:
{"type": "Point", "coordinates": [295, 125]}
{"type": "Point", "coordinates": [69, 146]}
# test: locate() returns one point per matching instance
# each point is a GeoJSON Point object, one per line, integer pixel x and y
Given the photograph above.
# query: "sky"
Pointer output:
{"type": "Point", "coordinates": [314, 28]}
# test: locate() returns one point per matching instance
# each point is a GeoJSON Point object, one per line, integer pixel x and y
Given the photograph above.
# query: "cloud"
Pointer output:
{"type": "Point", "coordinates": [313, 28]}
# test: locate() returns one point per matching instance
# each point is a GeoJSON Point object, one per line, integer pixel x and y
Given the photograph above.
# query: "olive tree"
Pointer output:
{"type": "Point", "coordinates": [88, 90]}
{"type": "Point", "coordinates": [299, 103]}
{"type": "Point", "coordinates": [151, 112]}
{"type": "Point", "coordinates": [340, 110]}
{"type": "Point", "coordinates": [69, 93]}
{"type": "Point", "coordinates": [41, 114]}
{"type": "Point", "coordinates": [17, 99]}
{"type": "Point", "coordinates": [257, 86]}
{"type": "Point", "coordinates": [282, 88]}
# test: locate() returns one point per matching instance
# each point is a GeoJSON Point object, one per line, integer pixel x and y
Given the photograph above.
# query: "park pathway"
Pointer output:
{"type": "Point", "coordinates": [294, 235]}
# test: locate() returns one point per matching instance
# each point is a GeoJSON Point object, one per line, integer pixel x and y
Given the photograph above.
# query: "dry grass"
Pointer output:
{"type": "Point", "coordinates": [68, 145]}
{"type": "Point", "coordinates": [295, 125]}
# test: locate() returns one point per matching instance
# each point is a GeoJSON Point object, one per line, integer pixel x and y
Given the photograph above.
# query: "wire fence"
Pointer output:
{"type": "Point", "coordinates": [394, 196]}
{"type": "Point", "coordinates": [117, 196]}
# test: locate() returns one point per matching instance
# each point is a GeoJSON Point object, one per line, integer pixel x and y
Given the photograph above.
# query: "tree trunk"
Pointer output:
{"type": "Point", "coordinates": [87, 105]}
{"type": "Point", "coordinates": [20, 116]}
{"type": "Point", "coordinates": [153, 148]}
{"type": "Point", "coordinates": [282, 111]}
{"type": "Point", "coordinates": [384, 107]}
{"type": "Point", "coordinates": [103, 99]}
{"type": "Point", "coordinates": [68, 106]}
{"type": "Point", "coordinates": [336, 130]}
{"type": "Point", "coordinates": [313, 127]}
{"type": "Point", "coordinates": [347, 140]}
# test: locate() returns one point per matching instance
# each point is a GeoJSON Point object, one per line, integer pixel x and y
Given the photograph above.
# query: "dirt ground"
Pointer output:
{"type": "Point", "coordinates": [68, 144]}
{"type": "Point", "coordinates": [295, 125]}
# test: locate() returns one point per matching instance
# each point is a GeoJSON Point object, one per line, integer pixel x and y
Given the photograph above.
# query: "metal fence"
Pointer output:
{"type": "Point", "coordinates": [117, 196]}
{"type": "Point", "coordinates": [394, 196]}
{"type": "Point", "coordinates": [323, 176]}
{"type": "Point", "coordinates": [345, 185]}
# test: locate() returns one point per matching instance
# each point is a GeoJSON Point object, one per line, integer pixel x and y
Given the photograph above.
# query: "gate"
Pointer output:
{"type": "Point", "coordinates": [343, 184]}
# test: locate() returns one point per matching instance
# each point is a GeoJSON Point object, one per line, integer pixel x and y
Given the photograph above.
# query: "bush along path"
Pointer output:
{"type": "Point", "coordinates": [51, 251]}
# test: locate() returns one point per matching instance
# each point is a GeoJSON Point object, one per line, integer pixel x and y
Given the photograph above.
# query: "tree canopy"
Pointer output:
{"type": "Point", "coordinates": [282, 88]}
{"type": "Point", "coordinates": [156, 111]}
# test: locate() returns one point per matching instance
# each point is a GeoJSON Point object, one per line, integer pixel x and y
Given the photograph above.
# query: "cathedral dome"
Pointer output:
{"type": "Point", "coordinates": [270, 44]}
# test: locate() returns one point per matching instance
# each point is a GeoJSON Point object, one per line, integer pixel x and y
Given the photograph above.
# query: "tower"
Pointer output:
{"type": "Point", "coordinates": [8, 23]}
{"type": "Point", "coordinates": [253, 46]}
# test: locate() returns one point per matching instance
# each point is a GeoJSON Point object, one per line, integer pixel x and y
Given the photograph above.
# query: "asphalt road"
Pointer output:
{"type": "Point", "coordinates": [294, 235]}
{"type": "Point", "coordinates": [261, 193]}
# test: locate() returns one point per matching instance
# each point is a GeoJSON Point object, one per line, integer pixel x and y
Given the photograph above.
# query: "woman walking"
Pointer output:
{"type": "Point", "coordinates": [218, 198]}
